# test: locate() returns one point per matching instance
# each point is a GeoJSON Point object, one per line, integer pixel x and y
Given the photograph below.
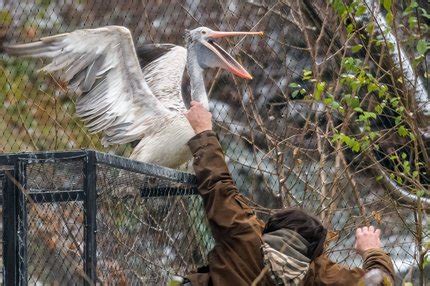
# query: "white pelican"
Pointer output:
{"type": "Point", "coordinates": [128, 103]}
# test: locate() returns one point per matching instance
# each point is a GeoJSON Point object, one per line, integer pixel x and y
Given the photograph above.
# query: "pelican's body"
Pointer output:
{"type": "Point", "coordinates": [129, 100]}
{"type": "Point", "coordinates": [166, 146]}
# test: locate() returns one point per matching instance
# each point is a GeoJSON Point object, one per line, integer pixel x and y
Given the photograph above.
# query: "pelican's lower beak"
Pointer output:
{"type": "Point", "coordinates": [226, 61]}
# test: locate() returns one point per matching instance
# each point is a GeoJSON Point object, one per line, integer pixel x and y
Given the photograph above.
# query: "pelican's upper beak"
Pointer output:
{"type": "Point", "coordinates": [226, 60]}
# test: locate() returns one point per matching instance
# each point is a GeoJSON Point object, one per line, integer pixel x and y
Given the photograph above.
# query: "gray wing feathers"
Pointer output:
{"type": "Point", "coordinates": [102, 67]}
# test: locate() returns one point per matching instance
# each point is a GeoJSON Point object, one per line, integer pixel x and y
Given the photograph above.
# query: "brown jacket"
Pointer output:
{"type": "Point", "coordinates": [237, 258]}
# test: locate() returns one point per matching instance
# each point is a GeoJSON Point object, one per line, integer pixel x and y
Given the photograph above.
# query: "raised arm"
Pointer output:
{"type": "Point", "coordinates": [377, 265]}
{"type": "Point", "coordinates": [226, 209]}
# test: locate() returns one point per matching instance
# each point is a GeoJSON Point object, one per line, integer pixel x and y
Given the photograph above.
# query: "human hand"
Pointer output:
{"type": "Point", "coordinates": [367, 238]}
{"type": "Point", "coordinates": [199, 117]}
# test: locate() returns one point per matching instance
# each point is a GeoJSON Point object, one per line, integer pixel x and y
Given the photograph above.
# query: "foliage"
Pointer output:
{"type": "Point", "coordinates": [375, 98]}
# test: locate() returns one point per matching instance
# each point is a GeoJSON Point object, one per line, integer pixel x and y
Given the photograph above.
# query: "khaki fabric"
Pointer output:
{"type": "Point", "coordinates": [237, 257]}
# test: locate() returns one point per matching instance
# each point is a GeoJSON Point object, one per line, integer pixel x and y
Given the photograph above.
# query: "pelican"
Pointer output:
{"type": "Point", "coordinates": [128, 102]}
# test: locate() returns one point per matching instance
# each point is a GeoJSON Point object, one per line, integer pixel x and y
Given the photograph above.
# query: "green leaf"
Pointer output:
{"type": "Point", "coordinates": [350, 28]}
{"type": "Point", "coordinates": [403, 131]}
{"type": "Point", "coordinates": [394, 102]}
{"type": "Point", "coordinates": [373, 135]}
{"type": "Point", "coordinates": [389, 18]}
{"type": "Point", "coordinates": [294, 85]}
{"type": "Point", "coordinates": [399, 180]}
{"type": "Point", "coordinates": [353, 102]}
{"type": "Point", "coordinates": [370, 27]}
{"type": "Point", "coordinates": [307, 74]}
{"type": "Point", "coordinates": [356, 146]}
{"type": "Point", "coordinates": [335, 105]}
{"type": "Point", "coordinates": [424, 13]}
{"type": "Point", "coordinates": [360, 10]}
{"type": "Point", "coordinates": [387, 5]}
{"type": "Point", "coordinates": [422, 47]}
{"type": "Point", "coordinates": [372, 87]}
{"type": "Point", "coordinates": [319, 90]}
{"type": "Point", "coordinates": [370, 114]}
{"type": "Point", "coordinates": [355, 85]}
{"type": "Point", "coordinates": [379, 108]}
{"type": "Point", "coordinates": [412, 21]}
{"type": "Point", "coordinates": [339, 7]}
{"type": "Point", "coordinates": [328, 100]}
{"type": "Point", "coordinates": [420, 193]}
{"type": "Point", "coordinates": [356, 48]}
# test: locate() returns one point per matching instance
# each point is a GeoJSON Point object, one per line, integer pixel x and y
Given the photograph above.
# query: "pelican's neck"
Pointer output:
{"type": "Point", "coordinates": [198, 90]}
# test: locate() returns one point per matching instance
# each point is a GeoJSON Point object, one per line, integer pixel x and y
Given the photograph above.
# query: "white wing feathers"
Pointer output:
{"type": "Point", "coordinates": [101, 65]}
{"type": "Point", "coordinates": [164, 76]}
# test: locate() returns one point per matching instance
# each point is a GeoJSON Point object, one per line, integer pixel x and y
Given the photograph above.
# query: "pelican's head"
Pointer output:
{"type": "Point", "coordinates": [200, 42]}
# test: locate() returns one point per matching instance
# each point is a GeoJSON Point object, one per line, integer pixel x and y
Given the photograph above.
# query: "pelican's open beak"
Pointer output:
{"type": "Point", "coordinates": [226, 60]}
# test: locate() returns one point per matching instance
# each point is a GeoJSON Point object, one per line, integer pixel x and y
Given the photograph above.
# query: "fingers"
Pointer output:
{"type": "Point", "coordinates": [365, 229]}
{"type": "Point", "coordinates": [195, 103]}
{"type": "Point", "coordinates": [378, 232]}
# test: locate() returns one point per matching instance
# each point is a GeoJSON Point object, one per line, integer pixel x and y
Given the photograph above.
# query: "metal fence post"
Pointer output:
{"type": "Point", "coordinates": [9, 230]}
{"type": "Point", "coordinates": [22, 224]}
{"type": "Point", "coordinates": [90, 211]}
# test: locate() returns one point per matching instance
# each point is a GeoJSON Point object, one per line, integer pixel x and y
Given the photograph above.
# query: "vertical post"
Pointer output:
{"type": "Point", "coordinates": [90, 211]}
{"type": "Point", "coordinates": [9, 229]}
{"type": "Point", "coordinates": [22, 227]}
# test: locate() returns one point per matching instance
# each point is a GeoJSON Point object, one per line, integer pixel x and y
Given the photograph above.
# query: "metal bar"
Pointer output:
{"type": "Point", "coordinates": [145, 168]}
{"type": "Point", "coordinates": [22, 227]}
{"type": "Point", "coordinates": [9, 158]}
{"type": "Point", "coordinates": [164, 192]}
{"type": "Point", "coordinates": [108, 159]}
{"type": "Point", "coordinates": [90, 211]}
{"type": "Point", "coordinates": [50, 197]}
{"type": "Point", "coordinates": [9, 231]}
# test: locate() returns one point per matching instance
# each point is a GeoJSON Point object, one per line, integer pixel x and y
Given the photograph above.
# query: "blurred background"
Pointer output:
{"type": "Point", "coordinates": [335, 120]}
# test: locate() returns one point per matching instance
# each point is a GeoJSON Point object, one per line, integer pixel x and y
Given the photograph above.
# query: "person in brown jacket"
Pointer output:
{"type": "Point", "coordinates": [287, 250]}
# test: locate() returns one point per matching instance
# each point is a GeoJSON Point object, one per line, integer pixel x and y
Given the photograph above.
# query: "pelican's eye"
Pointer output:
{"type": "Point", "coordinates": [204, 32]}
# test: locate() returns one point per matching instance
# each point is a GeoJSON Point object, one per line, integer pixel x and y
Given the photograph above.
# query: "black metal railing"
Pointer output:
{"type": "Point", "coordinates": [90, 217]}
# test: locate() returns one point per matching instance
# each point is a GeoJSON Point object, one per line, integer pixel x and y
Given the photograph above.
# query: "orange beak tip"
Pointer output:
{"type": "Point", "coordinates": [261, 33]}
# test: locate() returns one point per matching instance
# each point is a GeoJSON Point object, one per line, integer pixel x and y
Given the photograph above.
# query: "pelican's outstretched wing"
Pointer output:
{"type": "Point", "coordinates": [163, 67]}
{"type": "Point", "coordinates": [101, 65]}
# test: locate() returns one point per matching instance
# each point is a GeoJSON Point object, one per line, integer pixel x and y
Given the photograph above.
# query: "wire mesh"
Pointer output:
{"type": "Point", "coordinates": [276, 144]}
{"type": "Point", "coordinates": [53, 229]}
{"type": "Point", "coordinates": [150, 224]}
{"type": "Point", "coordinates": [150, 232]}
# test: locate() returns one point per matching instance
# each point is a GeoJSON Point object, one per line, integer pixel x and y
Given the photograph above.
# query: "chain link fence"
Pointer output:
{"type": "Point", "coordinates": [275, 139]}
